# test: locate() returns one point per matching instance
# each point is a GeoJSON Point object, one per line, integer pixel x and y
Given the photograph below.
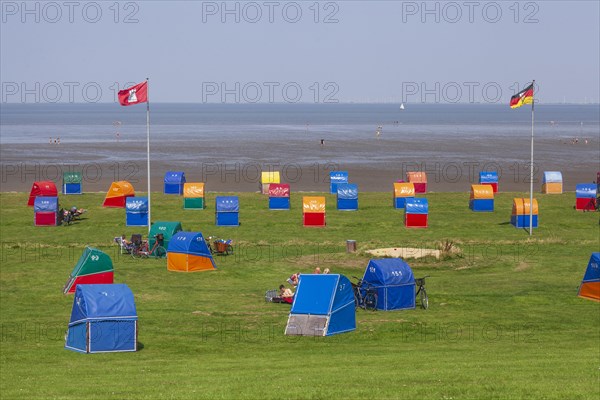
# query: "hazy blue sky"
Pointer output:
{"type": "Point", "coordinates": [376, 51]}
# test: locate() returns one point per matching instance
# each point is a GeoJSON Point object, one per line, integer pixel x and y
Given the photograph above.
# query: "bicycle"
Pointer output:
{"type": "Point", "coordinates": [421, 293]}
{"type": "Point", "coordinates": [67, 217]}
{"type": "Point", "coordinates": [219, 246]}
{"type": "Point", "coordinates": [141, 249]}
{"type": "Point", "coordinates": [365, 295]}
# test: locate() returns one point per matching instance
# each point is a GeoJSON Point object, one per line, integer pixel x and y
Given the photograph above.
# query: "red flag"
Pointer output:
{"type": "Point", "coordinates": [134, 95]}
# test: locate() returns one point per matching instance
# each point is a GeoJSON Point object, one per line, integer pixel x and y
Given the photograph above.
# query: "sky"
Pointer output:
{"type": "Point", "coordinates": [302, 51]}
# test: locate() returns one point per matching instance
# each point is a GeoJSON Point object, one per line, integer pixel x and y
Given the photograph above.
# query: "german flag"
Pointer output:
{"type": "Point", "coordinates": [525, 96]}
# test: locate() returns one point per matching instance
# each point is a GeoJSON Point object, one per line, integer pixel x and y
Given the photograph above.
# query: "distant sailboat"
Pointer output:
{"type": "Point", "coordinates": [402, 106]}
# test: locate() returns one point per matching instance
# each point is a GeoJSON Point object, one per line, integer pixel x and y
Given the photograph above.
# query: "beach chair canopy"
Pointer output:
{"type": "Point", "coordinates": [521, 206]}
{"type": "Point", "coordinates": [395, 283]}
{"type": "Point", "coordinates": [104, 301]}
{"type": "Point", "coordinates": [42, 188]}
{"type": "Point", "coordinates": [193, 190]}
{"type": "Point", "coordinates": [552, 177]}
{"type": "Point", "coordinates": [482, 192]}
{"type": "Point", "coordinates": [279, 190]}
{"type": "Point", "coordinates": [488, 177]}
{"type": "Point", "coordinates": [117, 193]}
{"type": "Point", "coordinates": [103, 319]}
{"type": "Point", "coordinates": [188, 252]}
{"type": "Point", "coordinates": [270, 177]}
{"type": "Point", "coordinates": [189, 243]}
{"type": "Point", "coordinates": [119, 189]}
{"type": "Point", "coordinates": [416, 177]}
{"type": "Point", "coordinates": [72, 177]}
{"type": "Point", "coordinates": [417, 206]}
{"type": "Point", "coordinates": [166, 228]}
{"type": "Point", "coordinates": [174, 177]}
{"type": "Point", "coordinates": [585, 190]}
{"type": "Point", "coordinates": [388, 271]}
{"type": "Point", "coordinates": [136, 205]}
{"type": "Point", "coordinates": [94, 266]}
{"type": "Point", "coordinates": [228, 204]}
{"type": "Point", "coordinates": [313, 204]}
{"type": "Point", "coordinates": [338, 176]}
{"type": "Point", "coordinates": [323, 306]}
{"type": "Point", "coordinates": [404, 189]}
{"type": "Point", "coordinates": [347, 191]}
{"type": "Point", "coordinates": [45, 204]}
{"type": "Point", "coordinates": [590, 285]}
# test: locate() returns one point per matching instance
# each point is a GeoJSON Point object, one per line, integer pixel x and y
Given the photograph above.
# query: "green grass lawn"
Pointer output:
{"type": "Point", "coordinates": [504, 319]}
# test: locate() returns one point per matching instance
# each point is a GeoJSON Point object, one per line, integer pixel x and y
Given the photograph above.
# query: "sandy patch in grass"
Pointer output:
{"type": "Point", "coordinates": [523, 266]}
{"type": "Point", "coordinates": [385, 320]}
{"type": "Point", "coordinates": [326, 260]}
{"type": "Point", "coordinates": [239, 314]}
{"type": "Point", "coordinates": [208, 314]}
{"type": "Point", "coordinates": [152, 296]}
{"type": "Point", "coordinates": [405, 252]}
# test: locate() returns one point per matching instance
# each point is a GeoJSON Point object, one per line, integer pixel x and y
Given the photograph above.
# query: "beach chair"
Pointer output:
{"type": "Point", "coordinates": [136, 241]}
{"type": "Point", "coordinates": [123, 248]}
{"type": "Point", "coordinates": [270, 294]}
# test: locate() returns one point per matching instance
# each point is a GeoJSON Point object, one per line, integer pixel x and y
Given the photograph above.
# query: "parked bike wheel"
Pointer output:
{"type": "Point", "coordinates": [160, 252]}
{"type": "Point", "coordinates": [67, 220]}
{"type": "Point", "coordinates": [141, 252]}
{"type": "Point", "coordinates": [356, 302]}
{"type": "Point", "coordinates": [357, 297]}
{"type": "Point", "coordinates": [210, 248]}
{"type": "Point", "coordinates": [424, 299]}
{"type": "Point", "coordinates": [371, 301]}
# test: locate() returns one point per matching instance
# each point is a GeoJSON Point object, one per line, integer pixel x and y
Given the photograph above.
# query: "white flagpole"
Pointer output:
{"type": "Point", "coordinates": [531, 166]}
{"type": "Point", "coordinates": [148, 151]}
